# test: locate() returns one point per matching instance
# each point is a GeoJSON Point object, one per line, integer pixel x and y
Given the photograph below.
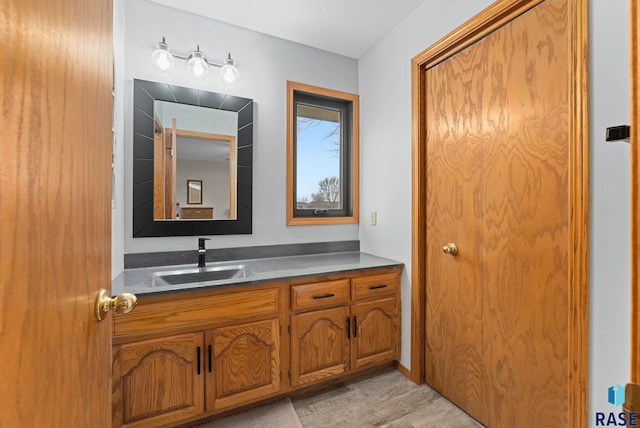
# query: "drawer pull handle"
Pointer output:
{"type": "Point", "coordinates": [348, 328]}
{"type": "Point", "coordinates": [198, 358]}
{"type": "Point", "coordinates": [375, 287]}
{"type": "Point", "coordinates": [210, 359]}
{"type": "Point", "coordinates": [324, 296]}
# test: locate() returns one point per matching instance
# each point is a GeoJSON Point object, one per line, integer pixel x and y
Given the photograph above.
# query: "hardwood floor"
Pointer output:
{"type": "Point", "coordinates": [384, 399]}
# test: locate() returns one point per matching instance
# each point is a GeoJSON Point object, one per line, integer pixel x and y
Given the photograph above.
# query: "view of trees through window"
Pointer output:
{"type": "Point", "coordinates": [318, 158]}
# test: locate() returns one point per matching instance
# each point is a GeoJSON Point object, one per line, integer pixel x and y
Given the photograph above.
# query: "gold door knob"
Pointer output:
{"type": "Point", "coordinates": [122, 303]}
{"type": "Point", "coordinates": [450, 248]}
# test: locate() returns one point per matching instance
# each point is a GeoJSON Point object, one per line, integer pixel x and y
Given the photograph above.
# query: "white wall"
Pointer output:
{"type": "Point", "coordinates": [386, 146]}
{"type": "Point", "coordinates": [118, 205]}
{"type": "Point", "coordinates": [385, 135]}
{"type": "Point", "coordinates": [265, 64]}
{"type": "Point", "coordinates": [609, 314]}
{"type": "Point", "coordinates": [196, 118]}
{"type": "Point", "coordinates": [215, 185]}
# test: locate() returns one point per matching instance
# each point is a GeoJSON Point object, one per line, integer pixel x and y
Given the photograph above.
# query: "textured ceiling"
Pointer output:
{"type": "Point", "coordinates": [345, 27]}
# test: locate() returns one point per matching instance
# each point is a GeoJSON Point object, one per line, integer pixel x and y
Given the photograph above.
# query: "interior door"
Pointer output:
{"type": "Point", "coordinates": [526, 219]}
{"type": "Point", "coordinates": [498, 187]}
{"type": "Point", "coordinates": [55, 211]}
{"type": "Point", "coordinates": [453, 358]}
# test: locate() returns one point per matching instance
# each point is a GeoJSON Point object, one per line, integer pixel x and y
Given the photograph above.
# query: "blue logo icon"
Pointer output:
{"type": "Point", "coordinates": [616, 395]}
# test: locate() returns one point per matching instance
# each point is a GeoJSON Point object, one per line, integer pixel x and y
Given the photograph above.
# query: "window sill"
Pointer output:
{"type": "Point", "coordinates": [317, 221]}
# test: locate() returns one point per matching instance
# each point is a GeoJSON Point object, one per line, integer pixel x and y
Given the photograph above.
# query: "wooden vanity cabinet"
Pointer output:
{"type": "Point", "coordinates": [160, 381]}
{"type": "Point", "coordinates": [319, 345]}
{"type": "Point", "coordinates": [376, 332]}
{"type": "Point", "coordinates": [181, 357]}
{"type": "Point", "coordinates": [230, 355]}
{"type": "Point", "coordinates": [362, 330]}
{"type": "Point", "coordinates": [242, 364]}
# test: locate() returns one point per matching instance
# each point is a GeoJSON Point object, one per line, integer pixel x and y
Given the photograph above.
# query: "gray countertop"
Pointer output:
{"type": "Point", "coordinates": [147, 281]}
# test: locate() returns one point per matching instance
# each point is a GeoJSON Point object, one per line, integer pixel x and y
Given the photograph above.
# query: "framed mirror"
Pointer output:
{"type": "Point", "coordinates": [192, 161]}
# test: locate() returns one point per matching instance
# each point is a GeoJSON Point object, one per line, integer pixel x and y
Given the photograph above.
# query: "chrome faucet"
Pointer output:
{"type": "Point", "coordinates": [202, 252]}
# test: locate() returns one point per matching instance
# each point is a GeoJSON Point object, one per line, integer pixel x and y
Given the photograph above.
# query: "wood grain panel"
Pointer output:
{"type": "Point", "coordinates": [453, 354]}
{"type": "Point", "coordinates": [634, 56]}
{"type": "Point", "coordinates": [188, 314]}
{"type": "Point", "coordinates": [418, 222]}
{"type": "Point", "coordinates": [157, 381]}
{"type": "Point", "coordinates": [320, 347]}
{"type": "Point", "coordinates": [490, 19]}
{"type": "Point", "coordinates": [571, 50]}
{"type": "Point", "coordinates": [370, 287]}
{"type": "Point", "coordinates": [191, 213]}
{"type": "Point", "coordinates": [158, 177]}
{"type": "Point", "coordinates": [526, 217]}
{"type": "Point", "coordinates": [376, 330]}
{"type": "Point", "coordinates": [246, 364]}
{"type": "Point", "coordinates": [578, 287]}
{"type": "Point", "coordinates": [167, 169]}
{"type": "Point", "coordinates": [55, 234]}
{"type": "Point", "coordinates": [319, 294]}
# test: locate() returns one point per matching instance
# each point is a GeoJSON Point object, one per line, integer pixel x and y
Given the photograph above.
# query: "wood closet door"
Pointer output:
{"type": "Point", "coordinates": [453, 329]}
{"type": "Point", "coordinates": [497, 170]}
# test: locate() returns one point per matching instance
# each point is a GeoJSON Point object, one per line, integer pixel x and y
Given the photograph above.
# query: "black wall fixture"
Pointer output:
{"type": "Point", "coordinates": [616, 133]}
{"type": "Point", "coordinates": [144, 95]}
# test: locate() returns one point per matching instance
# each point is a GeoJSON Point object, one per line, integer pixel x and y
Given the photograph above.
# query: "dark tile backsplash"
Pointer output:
{"type": "Point", "coordinates": [140, 260]}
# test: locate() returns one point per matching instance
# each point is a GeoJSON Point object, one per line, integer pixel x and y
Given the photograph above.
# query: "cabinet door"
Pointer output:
{"type": "Point", "coordinates": [320, 344]}
{"type": "Point", "coordinates": [158, 381]}
{"type": "Point", "coordinates": [242, 363]}
{"type": "Point", "coordinates": [376, 333]}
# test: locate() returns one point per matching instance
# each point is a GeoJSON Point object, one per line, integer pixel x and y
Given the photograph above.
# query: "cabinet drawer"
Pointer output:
{"type": "Point", "coordinates": [203, 312]}
{"type": "Point", "coordinates": [374, 285]}
{"type": "Point", "coordinates": [196, 213]}
{"type": "Point", "coordinates": [319, 294]}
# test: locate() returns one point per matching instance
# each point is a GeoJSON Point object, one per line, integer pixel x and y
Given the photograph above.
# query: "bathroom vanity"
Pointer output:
{"type": "Point", "coordinates": [193, 350]}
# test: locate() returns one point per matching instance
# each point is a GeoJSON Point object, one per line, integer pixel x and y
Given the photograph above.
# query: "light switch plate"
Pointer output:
{"type": "Point", "coordinates": [374, 218]}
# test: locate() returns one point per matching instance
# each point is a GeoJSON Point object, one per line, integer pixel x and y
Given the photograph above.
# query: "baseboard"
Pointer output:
{"type": "Point", "coordinates": [402, 369]}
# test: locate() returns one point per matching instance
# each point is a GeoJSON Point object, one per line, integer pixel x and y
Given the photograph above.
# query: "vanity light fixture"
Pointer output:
{"type": "Point", "coordinates": [162, 59]}
{"type": "Point", "coordinates": [197, 64]}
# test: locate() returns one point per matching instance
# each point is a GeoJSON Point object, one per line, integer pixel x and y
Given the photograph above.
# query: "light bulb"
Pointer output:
{"type": "Point", "coordinates": [230, 74]}
{"type": "Point", "coordinates": [162, 59]}
{"type": "Point", "coordinates": [197, 65]}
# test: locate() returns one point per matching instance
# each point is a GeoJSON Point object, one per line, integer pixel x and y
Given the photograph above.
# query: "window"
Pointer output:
{"type": "Point", "coordinates": [322, 156]}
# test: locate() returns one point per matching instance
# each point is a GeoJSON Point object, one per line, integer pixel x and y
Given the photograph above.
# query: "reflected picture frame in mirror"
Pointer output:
{"type": "Point", "coordinates": [194, 192]}
{"type": "Point", "coordinates": [145, 95]}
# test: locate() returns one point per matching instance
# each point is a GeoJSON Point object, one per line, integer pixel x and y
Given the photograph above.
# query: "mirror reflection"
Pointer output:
{"type": "Point", "coordinates": [193, 177]}
{"type": "Point", "coordinates": [195, 169]}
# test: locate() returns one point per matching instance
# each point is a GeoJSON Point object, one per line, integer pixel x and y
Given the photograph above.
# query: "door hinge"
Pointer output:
{"type": "Point", "coordinates": [289, 328]}
{"type": "Point", "coordinates": [289, 373]}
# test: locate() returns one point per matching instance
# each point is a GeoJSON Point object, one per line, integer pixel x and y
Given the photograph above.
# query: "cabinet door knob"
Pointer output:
{"type": "Point", "coordinates": [122, 303]}
{"type": "Point", "coordinates": [450, 248]}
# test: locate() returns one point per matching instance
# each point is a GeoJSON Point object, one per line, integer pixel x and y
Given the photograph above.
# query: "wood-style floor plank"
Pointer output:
{"type": "Point", "coordinates": [385, 399]}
